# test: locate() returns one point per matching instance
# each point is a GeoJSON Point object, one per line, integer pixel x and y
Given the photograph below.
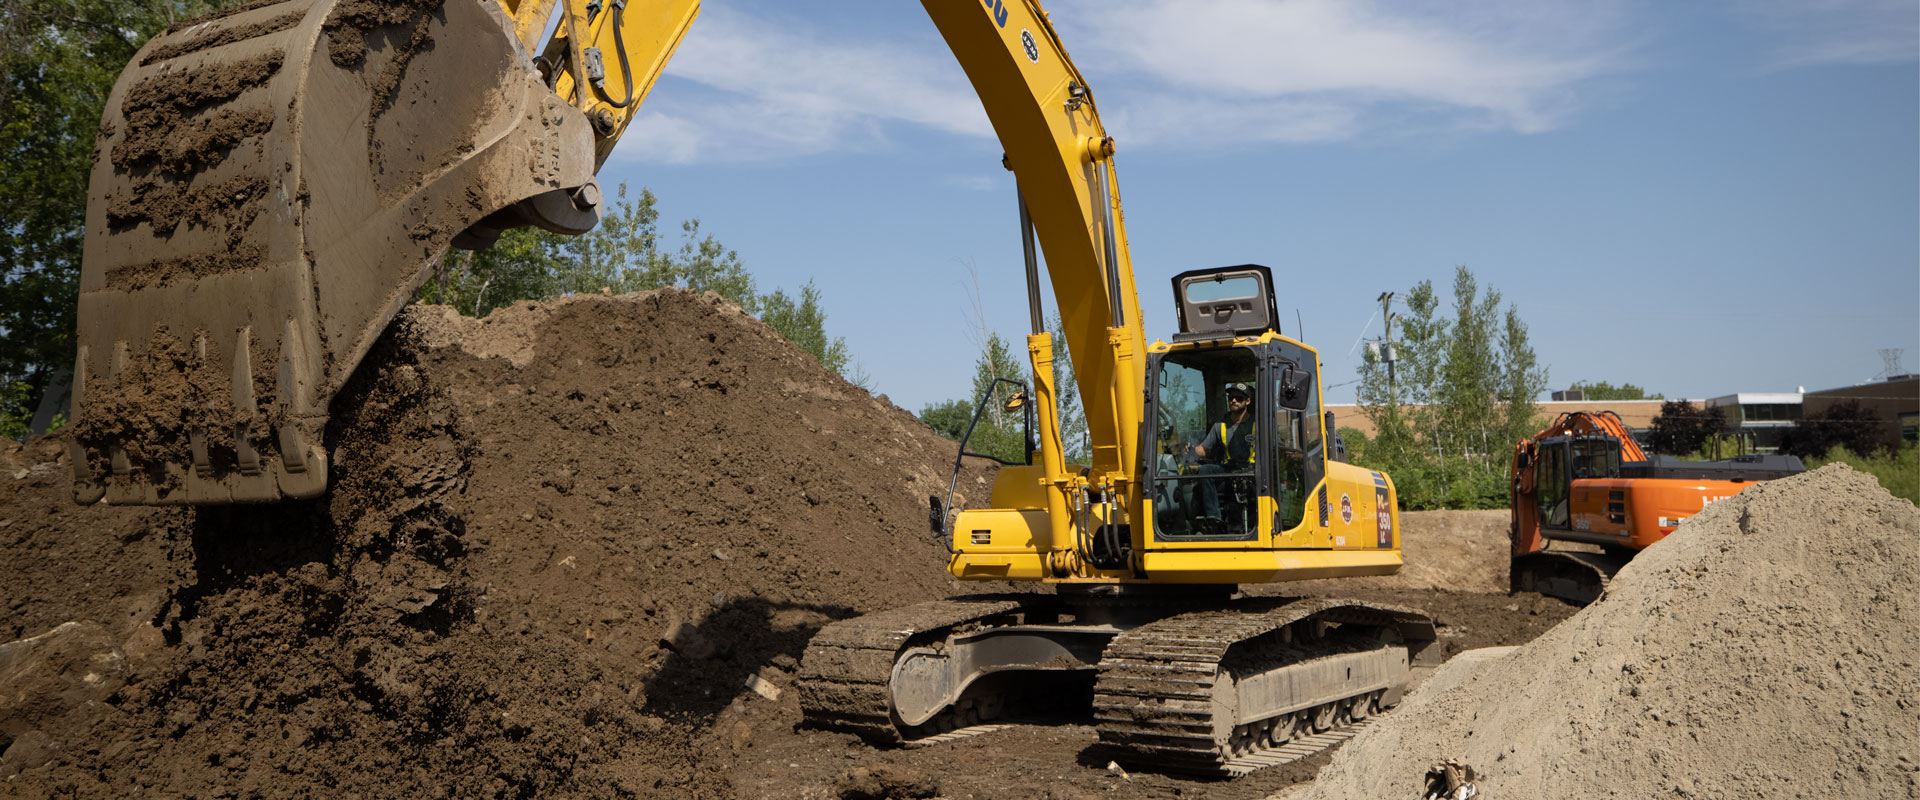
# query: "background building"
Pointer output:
{"type": "Point", "coordinates": [1895, 400]}
{"type": "Point", "coordinates": [1760, 418]}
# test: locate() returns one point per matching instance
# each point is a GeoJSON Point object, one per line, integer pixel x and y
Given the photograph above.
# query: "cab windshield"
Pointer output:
{"type": "Point", "coordinates": [1206, 436]}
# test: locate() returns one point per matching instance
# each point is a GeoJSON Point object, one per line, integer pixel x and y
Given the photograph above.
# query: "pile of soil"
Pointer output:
{"type": "Point", "coordinates": [1767, 648]}
{"type": "Point", "coordinates": [563, 542]}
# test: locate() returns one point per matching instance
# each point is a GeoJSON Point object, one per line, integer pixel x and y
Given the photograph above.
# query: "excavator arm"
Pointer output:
{"type": "Point", "coordinates": [1046, 118]}
{"type": "Point", "coordinates": [274, 182]}
{"type": "Point", "coordinates": [604, 56]}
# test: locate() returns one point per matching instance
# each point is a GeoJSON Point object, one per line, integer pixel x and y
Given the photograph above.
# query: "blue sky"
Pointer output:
{"type": "Point", "coordinates": [1699, 198]}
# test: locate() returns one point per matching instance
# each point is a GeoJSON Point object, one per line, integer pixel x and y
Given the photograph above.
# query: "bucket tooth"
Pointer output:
{"type": "Point", "coordinates": [292, 448]}
{"type": "Point", "coordinates": [248, 458]}
{"type": "Point", "coordinates": [202, 465]}
{"type": "Point", "coordinates": [243, 404]}
{"type": "Point", "coordinates": [87, 490]}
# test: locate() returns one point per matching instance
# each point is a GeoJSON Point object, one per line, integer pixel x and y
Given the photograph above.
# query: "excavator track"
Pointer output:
{"type": "Point", "coordinates": [846, 672]}
{"type": "Point", "coordinates": [1574, 577]}
{"type": "Point", "coordinates": [1178, 694]}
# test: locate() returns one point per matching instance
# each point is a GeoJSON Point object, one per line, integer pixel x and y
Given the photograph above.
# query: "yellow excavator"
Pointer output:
{"type": "Point", "coordinates": [274, 182]}
{"type": "Point", "coordinates": [1210, 468]}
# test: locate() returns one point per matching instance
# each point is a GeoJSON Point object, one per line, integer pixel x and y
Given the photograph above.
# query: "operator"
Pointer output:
{"type": "Point", "coordinates": [1230, 441]}
{"type": "Point", "coordinates": [1227, 448]}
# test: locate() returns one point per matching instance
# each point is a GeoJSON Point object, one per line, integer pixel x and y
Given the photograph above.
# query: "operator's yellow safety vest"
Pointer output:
{"type": "Point", "coordinates": [1228, 456]}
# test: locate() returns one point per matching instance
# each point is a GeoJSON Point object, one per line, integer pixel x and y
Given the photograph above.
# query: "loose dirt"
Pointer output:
{"type": "Point", "coordinates": [573, 550]}
{"type": "Point", "coordinates": [353, 21]}
{"type": "Point", "coordinates": [168, 121]}
{"type": "Point", "coordinates": [175, 48]}
{"type": "Point", "coordinates": [1767, 648]}
{"type": "Point", "coordinates": [221, 14]}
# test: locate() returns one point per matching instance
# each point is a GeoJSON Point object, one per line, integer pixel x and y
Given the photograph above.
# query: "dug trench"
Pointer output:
{"type": "Point", "coordinates": [574, 549]}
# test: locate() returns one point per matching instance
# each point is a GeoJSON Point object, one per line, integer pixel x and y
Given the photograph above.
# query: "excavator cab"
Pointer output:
{"type": "Point", "coordinates": [1238, 410]}
{"type": "Point", "coordinates": [1560, 461]}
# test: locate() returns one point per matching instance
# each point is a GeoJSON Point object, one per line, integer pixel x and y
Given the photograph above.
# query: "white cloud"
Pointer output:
{"type": "Point", "coordinates": [1321, 69]}
{"type": "Point", "coordinates": [1815, 32]}
{"type": "Point", "coordinates": [1177, 120]}
{"type": "Point", "coordinates": [979, 183]}
{"type": "Point", "coordinates": [760, 91]}
{"type": "Point", "coordinates": [1175, 73]}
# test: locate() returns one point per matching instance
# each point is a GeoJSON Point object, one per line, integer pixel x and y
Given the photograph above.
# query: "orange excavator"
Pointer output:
{"type": "Point", "coordinates": [1585, 480]}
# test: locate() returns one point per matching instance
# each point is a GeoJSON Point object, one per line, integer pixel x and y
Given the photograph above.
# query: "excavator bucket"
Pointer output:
{"type": "Point", "coordinates": [271, 185]}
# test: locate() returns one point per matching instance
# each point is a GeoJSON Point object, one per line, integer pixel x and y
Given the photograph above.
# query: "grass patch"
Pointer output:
{"type": "Point", "coordinates": [1898, 471]}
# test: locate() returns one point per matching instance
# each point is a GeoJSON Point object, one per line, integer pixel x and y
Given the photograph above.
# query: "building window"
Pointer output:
{"type": "Point", "coordinates": [1770, 412]}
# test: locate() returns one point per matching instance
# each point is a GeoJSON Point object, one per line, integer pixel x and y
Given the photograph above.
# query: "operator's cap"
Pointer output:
{"type": "Point", "coordinates": [1239, 389]}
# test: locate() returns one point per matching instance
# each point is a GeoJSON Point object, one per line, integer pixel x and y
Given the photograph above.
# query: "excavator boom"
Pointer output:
{"type": "Point", "coordinates": [274, 182]}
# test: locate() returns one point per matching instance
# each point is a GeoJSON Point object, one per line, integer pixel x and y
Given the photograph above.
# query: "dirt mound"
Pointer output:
{"type": "Point", "coordinates": [1767, 648]}
{"type": "Point", "coordinates": [572, 550]}
{"type": "Point", "coordinates": [1448, 551]}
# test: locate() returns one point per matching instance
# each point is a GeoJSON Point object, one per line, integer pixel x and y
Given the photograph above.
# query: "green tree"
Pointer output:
{"type": "Point", "coordinates": [1602, 390]}
{"type": "Point", "coordinates": [804, 323]}
{"type": "Point", "coordinates": [1470, 372]}
{"type": "Point", "coordinates": [1844, 425]}
{"type": "Point", "coordinates": [1073, 421]}
{"type": "Point", "coordinates": [1680, 428]}
{"type": "Point", "coordinates": [706, 266]}
{"type": "Point", "coordinates": [1357, 442]}
{"type": "Point", "coordinates": [522, 265]}
{"type": "Point", "coordinates": [58, 61]}
{"type": "Point", "coordinates": [948, 418]}
{"type": "Point", "coordinates": [1522, 380]}
{"type": "Point", "coordinates": [621, 254]}
{"type": "Point", "coordinates": [1400, 406]}
{"type": "Point", "coordinates": [1000, 433]}
{"type": "Point", "coordinates": [624, 253]}
{"type": "Point", "coordinates": [1465, 388]}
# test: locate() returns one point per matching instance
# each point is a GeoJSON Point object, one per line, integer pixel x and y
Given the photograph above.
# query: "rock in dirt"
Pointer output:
{"type": "Point", "coordinates": [1767, 648]}
{"type": "Point", "coordinates": [885, 782]}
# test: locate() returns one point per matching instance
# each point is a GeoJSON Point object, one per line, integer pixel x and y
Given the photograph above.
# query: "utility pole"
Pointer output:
{"type": "Point", "coordinates": [1386, 350]}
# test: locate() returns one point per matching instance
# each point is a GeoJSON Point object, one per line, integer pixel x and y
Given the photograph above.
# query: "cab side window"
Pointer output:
{"type": "Point", "coordinates": [1299, 458]}
{"type": "Point", "coordinates": [1552, 482]}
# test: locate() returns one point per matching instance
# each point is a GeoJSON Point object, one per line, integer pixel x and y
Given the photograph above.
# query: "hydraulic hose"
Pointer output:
{"type": "Point", "coordinates": [620, 44]}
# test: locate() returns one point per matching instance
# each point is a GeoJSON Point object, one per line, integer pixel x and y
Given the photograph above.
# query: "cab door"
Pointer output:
{"type": "Point", "coordinates": [1295, 439]}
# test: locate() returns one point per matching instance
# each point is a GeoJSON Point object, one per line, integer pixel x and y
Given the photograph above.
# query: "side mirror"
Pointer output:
{"type": "Point", "coordinates": [1016, 401]}
{"type": "Point", "coordinates": [1296, 388]}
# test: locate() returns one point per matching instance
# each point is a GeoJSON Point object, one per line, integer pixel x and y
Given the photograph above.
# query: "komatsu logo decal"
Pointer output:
{"type": "Point", "coordinates": [998, 9]}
